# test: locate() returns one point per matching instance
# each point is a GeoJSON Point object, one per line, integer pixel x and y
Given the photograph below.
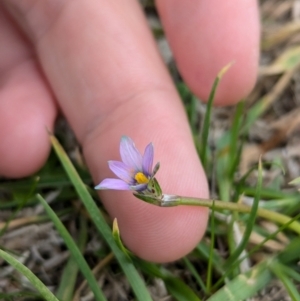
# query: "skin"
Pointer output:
{"type": "Point", "coordinates": [97, 62]}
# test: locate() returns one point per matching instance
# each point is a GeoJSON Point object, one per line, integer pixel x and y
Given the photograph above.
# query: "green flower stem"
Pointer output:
{"type": "Point", "coordinates": [174, 200]}
{"type": "Point", "coordinates": [221, 205]}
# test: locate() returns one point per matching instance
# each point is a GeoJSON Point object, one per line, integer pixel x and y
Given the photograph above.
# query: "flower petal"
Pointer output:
{"type": "Point", "coordinates": [122, 171]}
{"type": "Point", "coordinates": [139, 187]}
{"type": "Point", "coordinates": [115, 184]}
{"type": "Point", "coordinates": [148, 159]}
{"type": "Point", "coordinates": [129, 154]}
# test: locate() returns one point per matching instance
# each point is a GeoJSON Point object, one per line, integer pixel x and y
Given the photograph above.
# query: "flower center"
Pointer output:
{"type": "Point", "coordinates": [141, 178]}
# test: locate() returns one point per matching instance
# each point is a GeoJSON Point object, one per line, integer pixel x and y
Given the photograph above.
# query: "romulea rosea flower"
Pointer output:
{"type": "Point", "coordinates": [135, 171]}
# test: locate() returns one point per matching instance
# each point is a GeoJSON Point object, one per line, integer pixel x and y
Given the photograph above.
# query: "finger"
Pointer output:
{"type": "Point", "coordinates": [109, 80]}
{"type": "Point", "coordinates": [26, 106]}
{"type": "Point", "coordinates": [207, 35]}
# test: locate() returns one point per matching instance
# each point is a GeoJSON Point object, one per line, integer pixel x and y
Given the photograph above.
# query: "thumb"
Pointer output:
{"type": "Point", "coordinates": [108, 78]}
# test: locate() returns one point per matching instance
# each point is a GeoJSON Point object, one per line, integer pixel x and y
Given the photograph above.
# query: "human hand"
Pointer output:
{"type": "Point", "coordinates": [97, 62]}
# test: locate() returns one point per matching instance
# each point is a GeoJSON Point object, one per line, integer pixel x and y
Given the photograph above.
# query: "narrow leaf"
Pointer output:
{"type": "Point", "coordinates": [292, 290]}
{"type": "Point", "coordinates": [36, 282]}
{"type": "Point", "coordinates": [206, 123]}
{"type": "Point", "coordinates": [76, 253]}
{"type": "Point", "coordinates": [175, 286]}
{"type": "Point", "coordinates": [250, 222]}
{"type": "Point", "coordinates": [244, 286]}
{"type": "Point", "coordinates": [68, 279]}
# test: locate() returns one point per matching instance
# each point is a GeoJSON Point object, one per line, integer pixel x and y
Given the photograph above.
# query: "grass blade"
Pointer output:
{"type": "Point", "coordinates": [204, 252]}
{"type": "Point", "coordinates": [68, 280]}
{"type": "Point", "coordinates": [250, 223]}
{"type": "Point", "coordinates": [179, 290]}
{"type": "Point", "coordinates": [235, 149]}
{"type": "Point", "coordinates": [264, 103]}
{"type": "Point", "coordinates": [290, 272]}
{"type": "Point", "coordinates": [277, 269]}
{"type": "Point", "coordinates": [76, 253]}
{"type": "Point", "coordinates": [36, 282]}
{"type": "Point", "coordinates": [291, 252]}
{"type": "Point", "coordinates": [175, 286]}
{"type": "Point", "coordinates": [19, 296]}
{"type": "Point", "coordinates": [244, 285]}
{"type": "Point", "coordinates": [211, 250]}
{"type": "Point", "coordinates": [206, 123]}
{"type": "Point", "coordinates": [136, 282]}
{"type": "Point", "coordinates": [195, 274]}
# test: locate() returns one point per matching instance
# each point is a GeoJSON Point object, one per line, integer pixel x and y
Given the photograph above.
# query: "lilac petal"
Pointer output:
{"type": "Point", "coordinates": [121, 170]}
{"type": "Point", "coordinates": [139, 187]}
{"type": "Point", "coordinates": [148, 159]}
{"type": "Point", "coordinates": [129, 154]}
{"type": "Point", "coordinates": [115, 184]}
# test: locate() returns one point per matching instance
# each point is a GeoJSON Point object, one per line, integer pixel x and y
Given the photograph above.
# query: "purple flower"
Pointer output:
{"type": "Point", "coordinates": [134, 172]}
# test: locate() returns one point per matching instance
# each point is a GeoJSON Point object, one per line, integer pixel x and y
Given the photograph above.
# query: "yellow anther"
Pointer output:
{"type": "Point", "coordinates": [141, 178]}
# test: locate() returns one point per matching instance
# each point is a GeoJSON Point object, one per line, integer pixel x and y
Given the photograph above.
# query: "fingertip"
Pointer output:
{"type": "Point", "coordinates": [162, 235]}
{"type": "Point", "coordinates": [235, 84]}
{"type": "Point", "coordinates": [207, 35]}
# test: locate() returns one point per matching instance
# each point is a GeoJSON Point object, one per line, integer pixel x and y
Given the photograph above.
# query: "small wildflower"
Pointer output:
{"type": "Point", "coordinates": [134, 172]}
